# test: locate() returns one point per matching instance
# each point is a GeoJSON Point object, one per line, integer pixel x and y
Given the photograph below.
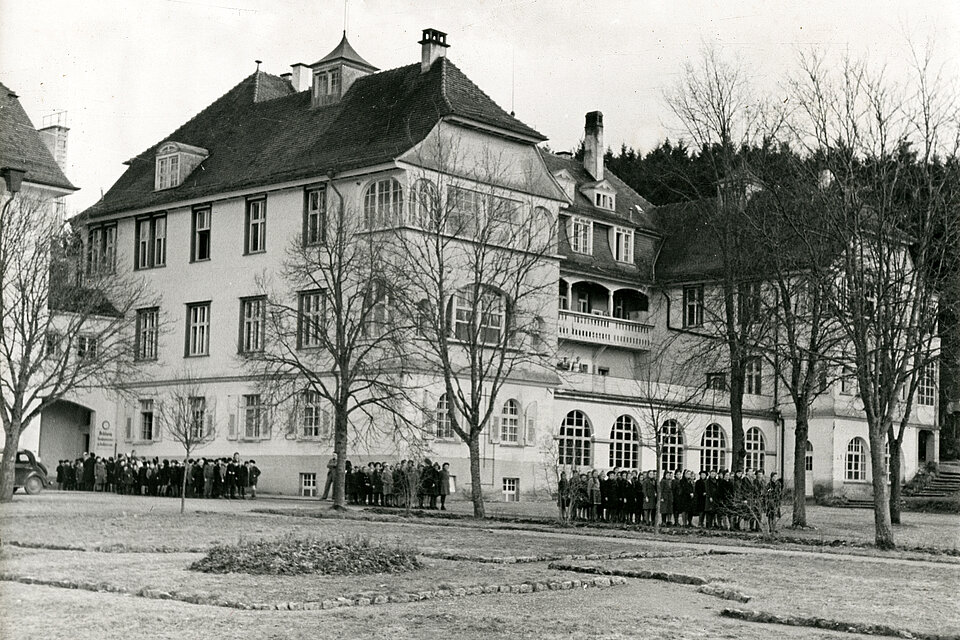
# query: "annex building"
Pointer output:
{"type": "Point", "coordinates": [210, 208]}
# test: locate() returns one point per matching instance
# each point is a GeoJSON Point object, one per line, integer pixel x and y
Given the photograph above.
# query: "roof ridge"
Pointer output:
{"type": "Point", "coordinates": [443, 83]}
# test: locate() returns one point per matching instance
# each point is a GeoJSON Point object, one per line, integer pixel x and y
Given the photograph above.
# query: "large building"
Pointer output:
{"type": "Point", "coordinates": [210, 208]}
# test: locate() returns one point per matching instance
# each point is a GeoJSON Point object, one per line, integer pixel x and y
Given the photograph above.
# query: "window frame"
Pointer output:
{"type": "Point", "coordinates": [464, 320]}
{"type": "Point", "coordinates": [855, 461]}
{"type": "Point", "coordinates": [575, 441]}
{"type": "Point", "coordinates": [713, 448]}
{"type": "Point", "coordinates": [314, 237]}
{"type": "Point", "coordinates": [713, 377]}
{"type": "Point", "coordinates": [247, 320]}
{"type": "Point", "coordinates": [753, 376]}
{"type": "Point", "coordinates": [512, 494]}
{"type": "Point", "coordinates": [167, 171]}
{"type": "Point", "coordinates": [203, 330]}
{"type": "Point", "coordinates": [755, 445]}
{"type": "Point", "coordinates": [308, 484]}
{"type": "Point", "coordinates": [197, 406]}
{"type": "Point", "coordinates": [253, 405]}
{"type": "Point", "coordinates": [623, 244]}
{"type": "Point", "coordinates": [927, 385]}
{"type": "Point", "coordinates": [250, 204]}
{"type": "Point", "coordinates": [150, 252]}
{"type": "Point", "coordinates": [510, 422]}
{"type": "Point", "coordinates": [152, 332]}
{"type": "Point", "coordinates": [582, 245]}
{"type": "Point", "coordinates": [196, 231]}
{"type": "Point", "coordinates": [625, 451]}
{"type": "Point", "coordinates": [443, 426]}
{"type": "Point", "coordinates": [382, 203]}
{"type": "Point", "coordinates": [693, 305]}
{"type": "Point", "coordinates": [671, 446]}
{"type": "Point", "coordinates": [315, 419]}
{"type": "Point", "coordinates": [147, 408]}
{"type": "Point", "coordinates": [102, 249]}
{"type": "Point", "coordinates": [310, 324]}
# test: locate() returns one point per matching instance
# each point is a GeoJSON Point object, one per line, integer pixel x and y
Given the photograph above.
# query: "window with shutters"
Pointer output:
{"type": "Point", "coordinates": [625, 443]}
{"type": "Point", "coordinates": [147, 433]}
{"type": "Point", "coordinates": [713, 449]}
{"type": "Point", "coordinates": [316, 419]}
{"type": "Point", "coordinates": [254, 417]}
{"type": "Point", "coordinates": [198, 417]}
{"type": "Point", "coordinates": [510, 422]}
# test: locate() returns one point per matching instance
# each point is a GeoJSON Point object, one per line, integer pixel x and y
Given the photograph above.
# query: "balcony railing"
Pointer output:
{"type": "Point", "coordinates": [604, 330]}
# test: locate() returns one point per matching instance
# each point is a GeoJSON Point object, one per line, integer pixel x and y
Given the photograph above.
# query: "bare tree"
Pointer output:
{"type": "Point", "coordinates": [892, 212]}
{"type": "Point", "coordinates": [717, 109]}
{"type": "Point", "coordinates": [60, 332]}
{"type": "Point", "coordinates": [329, 345]}
{"type": "Point", "coordinates": [479, 267]}
{"type": "Point", "coordinates": [188, 417]}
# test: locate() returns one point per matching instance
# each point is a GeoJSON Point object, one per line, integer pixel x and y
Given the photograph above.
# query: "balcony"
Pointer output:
{"type": "Point", "coordinates": [604, 330]}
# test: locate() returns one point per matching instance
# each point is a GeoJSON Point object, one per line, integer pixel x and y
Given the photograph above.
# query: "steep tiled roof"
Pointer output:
{"type": "Point", "coordinates": [259, 143]}
{"type": "Point", "coordinates": [344, 51]}
{"type": "Point", "coordinates": [627, 199]}
{"type": "Point", "coordinates": [22, 148]}
{"type": "Point", "coordinates": [690, 248]}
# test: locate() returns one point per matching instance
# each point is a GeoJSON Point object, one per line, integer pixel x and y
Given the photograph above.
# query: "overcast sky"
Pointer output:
{"type": "Point", "coordinates": [129, 72]}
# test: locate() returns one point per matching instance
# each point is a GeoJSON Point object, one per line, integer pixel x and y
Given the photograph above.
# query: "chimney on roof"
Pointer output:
{"type": "Point", "coordinates": [301, 76]}
{"type": "Point", "coordinates": [593, 145]}
{"type": "Point", "coordinates": [433, 45]}
{"type": "Point", "coordinates": [54, 134]}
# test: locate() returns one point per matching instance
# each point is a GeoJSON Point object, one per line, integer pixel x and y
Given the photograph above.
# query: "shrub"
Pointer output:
{"type": "Point", "coordinates": [933, 505]}
{"type": "Point", "coordinates": [289, 555]}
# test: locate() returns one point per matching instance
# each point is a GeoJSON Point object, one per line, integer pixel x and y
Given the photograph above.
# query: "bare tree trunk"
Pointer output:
{"type": "Point", "coordinates": [881, 506]}
{"type": "Point", "coordinates": [736, 423]}
{"type": "Point", "coordinates": [895, 488]}
{"type": "Point", "coordinates": [183, 483]}
{"type": "Point", "coordinates": [656, 506]}
{"type": "Point", "coordinates": [801, 433]}
{"type": "Point", "coordinates": [340, 451]}
{"type": "Point", "coordinates": [11, 441]}
{"type": "Point", "coordinates": [476, 489]}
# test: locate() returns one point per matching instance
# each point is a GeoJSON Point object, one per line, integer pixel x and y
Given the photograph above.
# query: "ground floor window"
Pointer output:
{"type": "Point", "coordinates": [713, 452]}
{"type": "Point", "coordinates": [511, 489]}
{"type": "Point", "coordinates": [856, 466]}
{"type": "Point", "coordinates": [625, 443]}
{"type": "Point", "coordinates": [754, 444]}
{"type": "Point", "coordinates": [808, 459]}
{"type": "Point", "coordinates": [671, 454]}
{"type": "Point", "coordinates": [575, 443]}
{"type": "Point", "coordinates": [308, 485]}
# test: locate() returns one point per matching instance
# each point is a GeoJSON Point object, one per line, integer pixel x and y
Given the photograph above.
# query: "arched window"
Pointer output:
{"type": "Point", "coordinates": [382, 203]}
{"type": "Point", "coordinates": [425, 205]}
{"type": "Point", "coordinates": [886, 458]}
{"type": "Point", "coordinates": [754, 444]}
{"type": "Point", "coordinates": [510, 421]}
{"type": "Point", "coordinates": [575, 445]}
{"type": "Point", "coordinates": [808, 459]}
{"type": "Point", "coordinates": [713, 452]}
{"type": "Point", "coordinates": [478, 315]}
{"type": "Point", "coordinates": [856, 465]}
{"type": "Point", "coordinates": [671, 446]}
{"type": "Point", "coordinates": [442, 418]}
{"type": "Point", "coordinates": [625, 443]}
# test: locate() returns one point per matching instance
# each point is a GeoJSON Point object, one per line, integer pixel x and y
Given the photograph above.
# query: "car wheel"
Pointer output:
{"type": "Point", "coordinates": [33, 485]}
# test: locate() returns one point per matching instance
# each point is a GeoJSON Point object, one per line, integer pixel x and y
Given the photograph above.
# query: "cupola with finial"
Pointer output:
{"type": "Point", "coordinates": [335, 72]}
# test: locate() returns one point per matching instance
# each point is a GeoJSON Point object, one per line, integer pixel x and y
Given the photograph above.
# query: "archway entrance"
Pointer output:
{"type": "Point", "coordinates": [926, 447]}
{"type": "Point", "coordinates": [64, 432]}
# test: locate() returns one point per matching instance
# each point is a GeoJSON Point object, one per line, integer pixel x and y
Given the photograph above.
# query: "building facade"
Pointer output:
{"type": "Point", "coordinates": [207, 213]}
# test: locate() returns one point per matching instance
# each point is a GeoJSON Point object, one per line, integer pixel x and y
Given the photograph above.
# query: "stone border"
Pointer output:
{"type": "Point", "coordinates": [666, 576]}
{"type": "Point", "coordinates": [724, 593]}
{"type": "Point", "coordinates": [832, 625]}
{"type": "Point", "coordinates": [116, 547]}
{"type": "Point", "coordinates": [624, 555]}
{"type": "Point", "coordinates": [358, 600]}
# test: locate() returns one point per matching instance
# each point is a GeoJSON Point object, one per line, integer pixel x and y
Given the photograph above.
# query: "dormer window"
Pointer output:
{"type": "Point", "coordinates": [623, 244]}
{"type": "Point", "coordinates": [604, 201]}
{"type": "Point", "coordinates": [327, 83]}
{"type": "Point", "coordinates": [175, 161]}
{"type": "Point", "coordinates": [581, 236]}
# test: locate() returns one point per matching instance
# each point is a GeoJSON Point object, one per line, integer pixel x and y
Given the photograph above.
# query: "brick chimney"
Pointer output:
{"type": "Point", "coordinates": [593, 145]}
{"type": "Point", "coordinates": [432, 46]}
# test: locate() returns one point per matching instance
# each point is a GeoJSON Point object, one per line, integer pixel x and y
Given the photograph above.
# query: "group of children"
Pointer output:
{"type": "Point", "coordinates": [719, 500]}
{"type": "Point", "coordinates": [396, 485]}
{"type": "Point", "coordinates": [131, 475]}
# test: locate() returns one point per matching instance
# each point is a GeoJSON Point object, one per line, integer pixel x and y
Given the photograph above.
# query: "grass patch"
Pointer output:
{"type": "Point", "coordinates": [290, 555]}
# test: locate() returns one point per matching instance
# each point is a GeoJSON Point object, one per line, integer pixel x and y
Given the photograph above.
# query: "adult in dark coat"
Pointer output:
{"type": "Point", "coordinates": [208, 476]}
{"type": "Point", "coordinates": [679, 503]}
{"type": "Point", "coordinates": [623, 489]}
{"type": "Point", "coordinates": [649, 497]}
{"type": "Point", "coordinates": [724, 499]}
{"type": "Point", "coordinates": [666, 498]}
{"type": "Point", "coordinates": [773, 499]}
{"type": "Point", "coordinates": [711, 488]}
{"type": "Point", "coordinates": [444, 485]}
{"type": "Point", "coordinates": [60, 475]}
{"type": "Point", "coordinates": [243, 480]}
{"type": "Point", "coordinates": [700, 497]}
{"type": "Point", "coordinates": [89, 472]}
{"type": "Point", "coordinates": [607, 489]}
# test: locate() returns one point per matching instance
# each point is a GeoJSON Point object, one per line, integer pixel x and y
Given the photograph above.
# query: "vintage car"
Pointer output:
{"type": "Point", "coordinates": [30, 473]}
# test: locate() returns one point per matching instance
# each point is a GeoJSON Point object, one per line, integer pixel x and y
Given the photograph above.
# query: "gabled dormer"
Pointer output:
{"type": "Point", "coordinates": [567, 182]}
{"type": "Point", "coordinates": [601, 194]}
{"type": "Point", "coordinates": [336, 72]}
{"type": "Point", "coordinates": [175, 161]}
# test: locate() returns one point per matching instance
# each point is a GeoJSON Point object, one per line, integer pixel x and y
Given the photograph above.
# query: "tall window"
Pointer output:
{"type": "Point", "coordinates": [383, 203]}
{"type": "Point", "coordinates": [808, 457]}
{"type": "Point", "coordinates": [102, 249]}
{"type": "Point", "coordinates": [310, 321]}
{"type": "Point", "coordinates": [200, 249]}
{"type": "Point", "coordinates": [693, 306]}
{"type": "Point", "coordinates": [753, 371]}
{"type": "Point", "coordinates": [927, 385]}
{"type": "Point", "coordinates": [327, 83]}
{"type": "Point", "coordinates": [253, 318]}
{"type": "Point", "coordinates": [146, 420]}
{"type": "Point", "coordinates": [856, 461]}
{"type": "Point", "coordinates": [254, 417]}
{"type": "Point", "coordinates": [755, 446]}
{"type": "Point", "coordinates": [315, 216]}
{"type": "Point", "coordinates": [671, 446]}
{"type": "Point", "coordinates": [848, 381]}
{"type": "Point", "coordinates": [168, 171]}
{"type": "Point", "coordinates": [471, 211]}
{"type": "Point", "coordinates": [198, 417]}
{"type": "Point", "coordinates": [623, 244]}
{"type": "Point", "coordinates": [625, 443]}
{"type": "Point", "coordinates": [749, 301]}
{"type": "Point", "coordinates": [151, 249]}
{"type": "Point", "coordinates": [255, 229]}
{"type": "Point", "coordinates": [441, 416]}
{"type": "Point", "coordinates": [198, 329]}
{"type": "Point", "coordinates": [479, 311]}
{"type": "Point", "coordinates": [147, 333]}
{"type": "Point", "coordinates": [316, 419]}
{"type": "Point", "coordinates": [575, 444]}
{"type": "Point", "coordinates": [425, 205]}
{"type": "Point", "coordinates": [581, 236]}
{"type": "Point", "coordinates": [713, 451]}
{"type": "Point", "coordinates": [510, 422]}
